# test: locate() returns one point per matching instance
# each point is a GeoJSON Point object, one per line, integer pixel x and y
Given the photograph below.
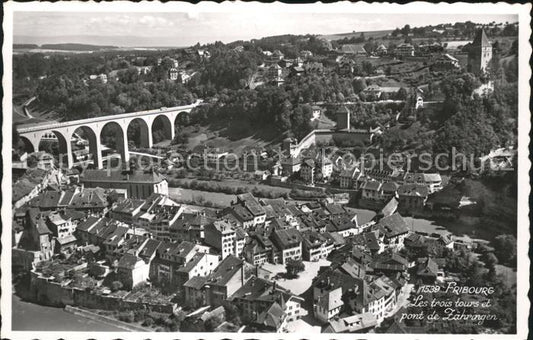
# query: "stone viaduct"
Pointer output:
{"type": "Point", "coordinates": [32, 134]}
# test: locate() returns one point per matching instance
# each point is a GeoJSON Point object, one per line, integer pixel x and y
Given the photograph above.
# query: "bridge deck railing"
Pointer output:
{"type": "Point", "coordinates": [46, 126]}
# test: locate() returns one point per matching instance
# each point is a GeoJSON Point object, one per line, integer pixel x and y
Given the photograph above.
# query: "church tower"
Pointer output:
{"type": "Point", "coordinates": [480, 53]}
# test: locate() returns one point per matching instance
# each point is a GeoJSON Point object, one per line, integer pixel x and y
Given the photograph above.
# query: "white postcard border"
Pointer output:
{"type": "Point", "coordinates": [523, 236]}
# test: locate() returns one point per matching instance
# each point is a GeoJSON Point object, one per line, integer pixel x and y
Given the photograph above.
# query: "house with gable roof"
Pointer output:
{"type": "Point", "coordinates": [315, 246]}
{"type": "Point", "coordinates": [258, 295]}
{"type": "Point", "coordinates": [394, 230]}
{"type": "Point", "coordinates": [288, 244]}
{"type": "Point", "coordinates": [132, 271]}
{"type": "Point", "coordinates": [351, 324]}
{"type": "Point", "coordinates": [412, 197]}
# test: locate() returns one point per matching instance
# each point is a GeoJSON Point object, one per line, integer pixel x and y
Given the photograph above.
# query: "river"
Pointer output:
{"type": "Point", "coordinates": [28, 316]}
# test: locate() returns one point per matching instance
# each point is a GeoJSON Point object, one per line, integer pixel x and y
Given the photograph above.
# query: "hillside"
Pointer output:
{"type": "Point", "coordinates": [368, 34]}
{"type": "Point", "coordinates": [76, 47]}
{"type": "Point", "coordinates": [25, 46]}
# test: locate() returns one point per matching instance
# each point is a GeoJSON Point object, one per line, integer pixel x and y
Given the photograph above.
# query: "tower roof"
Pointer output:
{"type": "Point", "coordinates": [481, 38]}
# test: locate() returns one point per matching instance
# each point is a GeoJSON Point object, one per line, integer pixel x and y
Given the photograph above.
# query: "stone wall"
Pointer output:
{"type": "Point", "coordinates": [52, 293]}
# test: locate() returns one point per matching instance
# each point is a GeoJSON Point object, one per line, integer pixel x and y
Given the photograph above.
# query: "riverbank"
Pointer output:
{"type": "Point", "coordinates": [105, 319]}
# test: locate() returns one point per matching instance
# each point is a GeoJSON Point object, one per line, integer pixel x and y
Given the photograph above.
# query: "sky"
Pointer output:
{"type": "Point", "coordinates": [129, 29]}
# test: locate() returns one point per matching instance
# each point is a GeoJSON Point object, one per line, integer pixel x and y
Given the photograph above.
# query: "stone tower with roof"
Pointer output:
{"type": "Point", "coordinates": [343, 118]}
{"type": "Point", "coordinates": [480, 53]}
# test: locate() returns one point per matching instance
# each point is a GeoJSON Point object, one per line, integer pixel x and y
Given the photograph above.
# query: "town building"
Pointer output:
{"type": "Point", "coordinates": [190, 227]}
{"type": "Point", "coordinates": [501, 159]}
{"type": "Point", "coordinates": [445, 62]}
{"type": "Point", "coordinates": [433, 181]}
{"type": "Point", "coordinates": [412, 198]}
{"type": "Point", "coordinates": [224, 281]}
{"type": "Point", "coordinates": [132, 271]}
{"type": "Point", "coordinates": [325, 167]}
{"type": "Point", "coordinates": [201, 264]}
{"type": "Point", "coordinates": [173, 74]}
{"type": "Point", "coordinates": [288, 245]}
{"type": "Point", "coordinates": [405, 50]}
{"type": "Point", "coordinates": [290, 165]}
{"type": "Point", "coordinates": [258, 295]}
{"type": "Point", "coordinates": [170, 258]}
{"type": "Point", "coordinates": [222, 236]}
{"type": "Point", "coordinates": [307, 171]}
{"type": "Point", "coordinates": [251, 204]}
{"type": "Point", "coordinates": [258, 250]}
{"type": "Point", "coordinates": [313, 68]}
{"type": "Point", "coordinates": [351, 324]}
{"type": "Point", "coordinates": [371, 190]}
{"type": "Point", "coordinates": [315, 246]}
{"type": "Point", "coordinates": [381, 50]}
{"type": "Point", "coordinates": [348, 178]}
{"type": "Point", "coordinates": [394, 229]}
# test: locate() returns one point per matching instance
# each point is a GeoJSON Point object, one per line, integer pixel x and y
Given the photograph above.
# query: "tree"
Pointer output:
{"type": "Point", "coordinates": [490, 260]}
{"type": "Point", "coordinates": [406, 30]}
{"type": "Point", "coordinates": [402, 93]}
{"type": "Point", "coordinates": [368, 68]}
{"type": "Point", "coordinates": [294, 267]}
{"type": "Point", "coordinates": [505, 248]}
{"type": "Point", "coordinates": [148, 322]}
{"type": "Point", "coordinates": [116, 285]}
{"type": "Point", "coordinates": [32, 161]}
{"type": "Point", "coordinates": [359, 84]}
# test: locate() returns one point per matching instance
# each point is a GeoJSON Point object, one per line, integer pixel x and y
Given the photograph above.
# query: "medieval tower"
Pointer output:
{"type": "Point", "coordinates": [480, 53]}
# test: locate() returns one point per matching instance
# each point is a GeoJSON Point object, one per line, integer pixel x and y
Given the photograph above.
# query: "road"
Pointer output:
{"type": "Point", "coordinates": [403, 299]}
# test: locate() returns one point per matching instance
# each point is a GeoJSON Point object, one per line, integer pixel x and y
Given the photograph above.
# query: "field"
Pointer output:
{"type": "Point", "coordinates": [201, 197]}
{"type": "Point", "coordinates": [239, 184]}
{"type": "Point", "coordinates": [225, 138]}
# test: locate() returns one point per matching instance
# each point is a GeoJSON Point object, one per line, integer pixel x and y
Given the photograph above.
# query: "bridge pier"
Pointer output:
{"type": "Point", "coordinates": [123, 149]}
{"type": "Point", "coordinates": [95, 148]}
{"type": "Point", "coordinates": [35, 143]}
{"type": "Point", "coordinates": [65, 149]}
{"type": "Point", "coordinates": [147, 140]}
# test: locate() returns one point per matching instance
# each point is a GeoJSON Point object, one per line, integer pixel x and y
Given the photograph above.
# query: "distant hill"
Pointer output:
{"type": "Point", "coordinates": [369, 34]}
{"type": "Point", "coordinates": [25, 46]}
{"type": "Point", "coordinates": [76, 47]}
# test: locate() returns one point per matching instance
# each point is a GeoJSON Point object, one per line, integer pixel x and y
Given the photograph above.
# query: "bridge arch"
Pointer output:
{"type": "Point", "coordinates": [182, 118]}
{"type": "Point", "coordinates": [162, 128]}
{"type": "Point", "coordinates": [116, 139]}
{"type": "Point", "coordinates": [25, 145]}
{"type": "Point", "coordinates": [140, 132]}
{"type": "Point", "coordinates": [86, 137]}
{"type": "Point", "coordinates": [56, 143]}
